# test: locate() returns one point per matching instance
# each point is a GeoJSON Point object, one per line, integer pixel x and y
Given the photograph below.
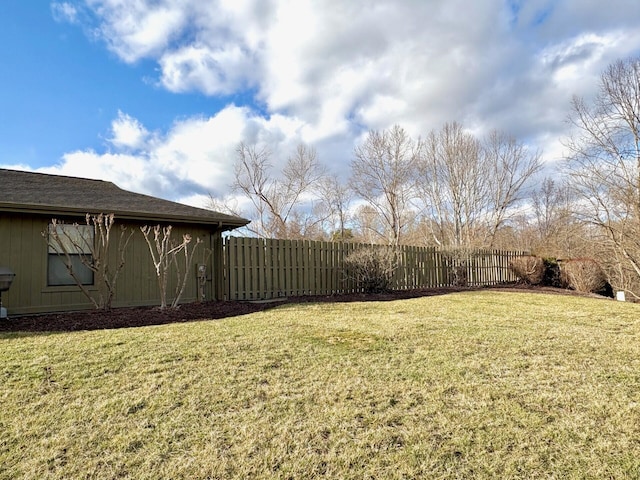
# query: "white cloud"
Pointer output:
{"type": "Point", "coordinates": [198, 68]}
{"type": "Point", "coordinates": [64, 12]}
{"type": "Point", "coordinates": [137, 29]}
{"type": "Point", "coordinates": [193, 159]}
{"type": "Point", "coordinates": [297, 50]}
{"type": "Point", "coordinates": [127, 170]}
{"type": "Point", "coordinates": [327, 70]}
{"type": "Point", "coordinates": [128, 132]}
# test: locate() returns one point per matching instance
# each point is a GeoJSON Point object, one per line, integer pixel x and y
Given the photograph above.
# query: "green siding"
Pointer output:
{"type": "Point", "coordinates": [24, 250]}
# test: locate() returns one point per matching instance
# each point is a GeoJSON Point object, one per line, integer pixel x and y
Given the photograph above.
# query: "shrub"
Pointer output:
{"type": "Point", "coordinates": [528, 268]}
{"type": "Point", "coordinates": [372, 268]}
{"type": "Point", "coordinates": [457, 263]}
{"type": "Point", "coordinates": [583, 275]}
{"type": "Point", "coordinates": [551, 277]}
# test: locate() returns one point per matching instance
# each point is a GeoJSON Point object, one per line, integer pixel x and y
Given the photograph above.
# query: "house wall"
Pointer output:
{"type": "Point", "coordinates": [24, 250]}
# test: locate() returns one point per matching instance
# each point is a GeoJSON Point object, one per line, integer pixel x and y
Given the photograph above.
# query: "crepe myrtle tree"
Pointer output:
{"type": "Point", "coordinates": [91, 245]}
{"type": "Point", "coordinates": [166, 253]}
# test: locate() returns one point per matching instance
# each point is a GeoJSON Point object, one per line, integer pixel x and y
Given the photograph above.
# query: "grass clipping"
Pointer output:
{"type": "Point", "coordinates": [457, 386]}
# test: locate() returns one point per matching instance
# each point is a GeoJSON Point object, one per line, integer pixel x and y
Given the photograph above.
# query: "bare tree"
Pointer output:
{"type": "Point", "coordinates": [556, 232]}
{"type": "Point", "coordinates": [468, 187]}
{"type": "Point", "coordinates": [368, 225]}
{"type": "Point", "coordinates": [92, 245]}
{"type": "Point", "coordinates": [164, 254]}
{"type": "Point", "coordinates": [509, 165]}
{"type": "Point", "coordinates": [277, 199]}
{"type": "Point", "coordinates": [383, 174]}
{"type": "Point", "coordinates": [604, 166]}
{"type": "Point", "coordinates": [228, 204]}
{"type": "Point", "coordinates": [548, 201]}
{"type": "Point", "coordinates": [453, 185]}
{"type": "Point", "coordinates": [252, 178]}
{"type": "Point", "coordinates": [335, 199]}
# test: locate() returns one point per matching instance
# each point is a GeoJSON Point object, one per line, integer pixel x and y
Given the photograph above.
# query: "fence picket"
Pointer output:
{"type": "Point", "coordinates": [269, 268]}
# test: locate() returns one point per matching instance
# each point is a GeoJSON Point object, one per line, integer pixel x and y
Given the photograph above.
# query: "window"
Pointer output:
{"type": "Point", "coordinates": [77, 242]}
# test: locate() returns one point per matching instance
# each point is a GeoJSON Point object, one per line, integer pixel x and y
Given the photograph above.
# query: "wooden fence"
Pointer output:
{"type": "Point", "coordinates": [257, 268]}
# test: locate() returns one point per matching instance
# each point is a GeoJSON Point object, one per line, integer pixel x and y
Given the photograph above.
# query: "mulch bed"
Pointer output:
{"type": "Point", "coordinates": [144, 316]}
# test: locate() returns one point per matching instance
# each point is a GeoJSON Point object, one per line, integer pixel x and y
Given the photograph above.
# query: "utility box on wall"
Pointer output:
{"type": "Point", "coordinates": [6, 278]}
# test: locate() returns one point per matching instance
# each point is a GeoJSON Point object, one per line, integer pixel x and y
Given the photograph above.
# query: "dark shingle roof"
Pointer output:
{"type": "Point", "coordinates": [54, 194]}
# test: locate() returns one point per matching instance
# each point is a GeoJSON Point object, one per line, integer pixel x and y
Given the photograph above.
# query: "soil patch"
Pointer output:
{"type": "Point", "coordinates": [144, 316]}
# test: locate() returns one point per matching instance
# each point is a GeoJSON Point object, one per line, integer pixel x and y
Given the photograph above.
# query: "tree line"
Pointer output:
{"type": "Point", "coordinates": [449, 188]}
{"type": "Point", "coordinates": [454, 189]}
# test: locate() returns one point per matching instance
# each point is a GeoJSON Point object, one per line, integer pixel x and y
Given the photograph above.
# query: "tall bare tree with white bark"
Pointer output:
{"type": "Point", "coordinates": [469, 187]}
{"type": "Point", "coordinates": [335, 200]}
{"type": "Point", "coordinates": [383, 174]}
{"type": "Point", "coordinates": [452, 185]}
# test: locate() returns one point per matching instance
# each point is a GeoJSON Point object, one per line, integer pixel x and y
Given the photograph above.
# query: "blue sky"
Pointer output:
{"type": "Point", "coordinates": [155, 95]}
{"type": "Point", "coordinates": [62, 89]}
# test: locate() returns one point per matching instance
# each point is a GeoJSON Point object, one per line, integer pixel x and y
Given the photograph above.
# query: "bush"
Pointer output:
{"type": "Point", "coordinates": [583, 275]}
{"type": "Point", "coordinates": [551, 277]}
{"type": "Point", "coordinates": [528, 268]}
{"type": "Point", "coordinates": [372, 268]}
{"type": "Point", "coordinates": [457, 263]}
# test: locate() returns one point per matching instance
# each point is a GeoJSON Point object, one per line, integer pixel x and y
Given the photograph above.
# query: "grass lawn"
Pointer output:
{"type": "Point", "coordinates": [467, 385]}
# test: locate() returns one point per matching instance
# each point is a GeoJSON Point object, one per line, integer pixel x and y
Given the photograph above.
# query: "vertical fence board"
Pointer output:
{"type": "Point", "coordinates": [269, 268]}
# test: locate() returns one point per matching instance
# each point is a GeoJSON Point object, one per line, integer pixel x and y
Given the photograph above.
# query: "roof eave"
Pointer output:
{"type": "Point", "coordinates": [220, 223]}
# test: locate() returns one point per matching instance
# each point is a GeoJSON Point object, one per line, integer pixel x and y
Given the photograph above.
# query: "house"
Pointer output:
{"type": "Point", "coordinates": [28, 203]}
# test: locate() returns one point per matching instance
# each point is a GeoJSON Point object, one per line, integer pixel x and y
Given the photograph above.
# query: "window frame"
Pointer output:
{"type": "Point", "coordinates": [78, 240]}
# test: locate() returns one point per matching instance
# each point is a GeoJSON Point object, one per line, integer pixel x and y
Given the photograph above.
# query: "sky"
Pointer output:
{"type": "Point", "coordinates": [155, 95]}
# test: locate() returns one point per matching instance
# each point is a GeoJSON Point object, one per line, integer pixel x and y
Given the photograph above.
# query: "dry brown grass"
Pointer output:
{"type": "Point", "coordinates": [455, 386]}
